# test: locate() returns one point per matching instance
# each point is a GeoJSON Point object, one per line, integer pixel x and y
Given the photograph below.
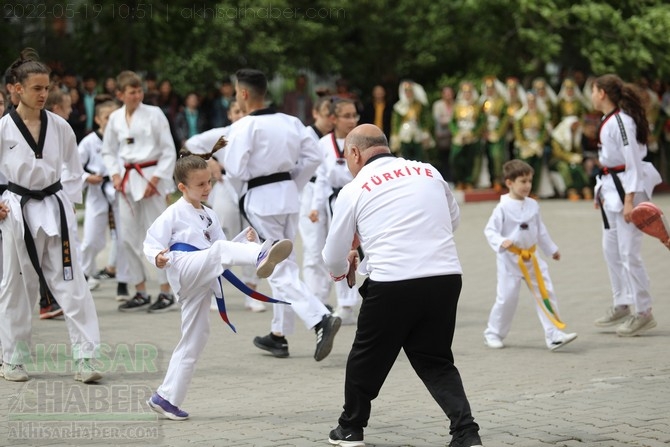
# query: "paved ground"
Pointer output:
{"type": "Point", "coordinates": [600, 391]}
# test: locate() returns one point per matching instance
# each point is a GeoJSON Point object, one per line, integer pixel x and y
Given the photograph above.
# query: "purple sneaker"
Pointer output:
{"type": "Point", "coordinates": [162, 406]}
{"type": "Point", "coordinates": [272, 254]}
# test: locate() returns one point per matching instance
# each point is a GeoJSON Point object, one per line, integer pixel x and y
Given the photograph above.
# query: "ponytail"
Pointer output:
{"type": "Point", "coordinates": [220, 144]}
{"type": "Point", "coordinates": [188, 161]}
{"type": "Point", "coordinates": [627, 98]}
{"type": "Point", "coordinates": [631, 103]}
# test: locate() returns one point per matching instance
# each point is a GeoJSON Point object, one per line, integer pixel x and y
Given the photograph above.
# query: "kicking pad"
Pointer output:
{"type": "Point", "coordinates": [650, 220]}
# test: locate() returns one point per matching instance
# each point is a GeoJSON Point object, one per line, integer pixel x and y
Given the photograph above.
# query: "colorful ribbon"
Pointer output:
{"type": "Point", "coordinates": [235, 281]}
{"type": "Point", "coordinates": [543, 299]}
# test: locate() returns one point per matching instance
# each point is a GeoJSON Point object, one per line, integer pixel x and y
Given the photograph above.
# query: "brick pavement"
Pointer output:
{"type": "Point", "coordinates": [600, 391]}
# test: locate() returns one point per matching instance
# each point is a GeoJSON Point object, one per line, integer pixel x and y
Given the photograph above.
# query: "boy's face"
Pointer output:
{"type": "Point", "coordinates": [132, 97]}
{"type": "Point", "coordinates": [102, 118]}
{"type": "Point", "coordinates": [322, 116]}
{"type": "Point", "coordinates": [520, 187]}
{"type": "Point", "coordinates": [64, 109]}
{"type": "Point", "coordinates": [235, 112]}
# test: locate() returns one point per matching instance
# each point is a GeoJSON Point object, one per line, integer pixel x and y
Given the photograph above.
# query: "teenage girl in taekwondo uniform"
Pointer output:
{"type": "Point", "coordinates": [38, 154]}
{"type": "Point", "coordinates": [624, 181]}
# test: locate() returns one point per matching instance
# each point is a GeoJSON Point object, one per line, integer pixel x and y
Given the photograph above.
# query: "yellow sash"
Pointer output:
{"type": "Point", "coordinates": [543, 299]}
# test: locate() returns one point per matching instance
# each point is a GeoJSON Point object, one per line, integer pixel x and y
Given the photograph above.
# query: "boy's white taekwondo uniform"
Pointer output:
{"type": "Point", "coordinates": [313, 234]}
{"type": "Point", "coordinates": [622, 155]}
{"type": "Point", "coordinates": [146, 149]}
{"type": "Point", "coordinates": [275, 156]}
{"type": "Point", "coordinates": [520, 222]}
{"type": "Point", "coordinates": [193, 278]}
{"type": "Point", "coordinates": [49, 172]}
{"type": "Point", "coordinates": [100, 200]}
{"type": "Point", "coordinates": [331, 176]}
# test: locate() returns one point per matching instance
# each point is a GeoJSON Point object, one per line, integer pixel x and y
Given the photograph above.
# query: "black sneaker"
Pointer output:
{"type": "Point", "coordinates": [325, 335]}
{"type": "Point", "coordinates": [347, 437]}
{"type": "Point", "coordinates": [278, 348]}
{"type": "Point", "coordinates": [104, 274]}
{"type": "Point", "coordinates": [164, 303]}
{"type": "Point", "coordinates": [466, 438]}
{"type": "Point", "coordinates": [136, 303]}
{"type": "Point", "coordinates": [122, 292]}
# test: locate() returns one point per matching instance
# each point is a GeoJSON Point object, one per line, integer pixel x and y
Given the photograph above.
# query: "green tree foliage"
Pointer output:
{"type": "Point", "coordinates": [196, 43]}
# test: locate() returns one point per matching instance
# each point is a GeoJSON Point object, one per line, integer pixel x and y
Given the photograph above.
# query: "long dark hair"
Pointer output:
{"type": "Point", "coordinates": [626, 97]}
{"type": "Point", "coordinates": [27, 63]}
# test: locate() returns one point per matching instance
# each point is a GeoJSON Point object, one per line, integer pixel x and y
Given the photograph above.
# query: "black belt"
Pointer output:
{"type": "Point", "coordinates": [26, 195]}
{"type": "Point", "coordinates": [617, 184]}
{"type": "Point", "coordinates": [3, 188]}
{"type": "Point", "coordinates": [267, 179]}
{"type": "Point", "coordinates": [332, 197]}
{"type": "Point", "coordinates": [312, 180]}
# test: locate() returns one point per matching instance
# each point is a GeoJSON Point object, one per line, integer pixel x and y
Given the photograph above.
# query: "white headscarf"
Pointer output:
{"type": "Point", "coordinates": [563, 135]}
{"type": "Point", "coordinates": [403, 104]}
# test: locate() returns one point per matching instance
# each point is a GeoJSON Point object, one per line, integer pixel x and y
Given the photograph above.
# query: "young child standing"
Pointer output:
{"type": "Point", "coordinates": [102, 201]}
{"type": "Point", "coordinates": [193, 274]}
{"type": "Point", "coordinates": [514, 230]}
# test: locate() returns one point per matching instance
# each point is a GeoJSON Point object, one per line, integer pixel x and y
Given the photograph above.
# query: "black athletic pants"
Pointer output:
{"type": "Point", "coordinates": [418, 316]}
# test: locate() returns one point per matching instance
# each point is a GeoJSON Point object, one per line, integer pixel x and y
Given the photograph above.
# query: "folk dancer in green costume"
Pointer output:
{"type": "Point", "coordinates": [496, 119]}
{"type": "Point", "coordinates": [411, 122]}
{"type": "Point", "coordinates": [466, 127]}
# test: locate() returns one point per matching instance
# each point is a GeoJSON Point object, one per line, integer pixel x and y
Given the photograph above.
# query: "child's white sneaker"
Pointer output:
{"type": "Point", "coordinates": [493, 342]}
{"type": "Point", "coordinates": [561, 340]}
{"type": "Point", "coordinates": [272, 254]}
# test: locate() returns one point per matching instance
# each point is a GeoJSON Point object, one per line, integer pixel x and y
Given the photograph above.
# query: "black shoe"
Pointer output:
{"type": "Point", "coordinates": [164, 303]}
{"type": "Point", "coordinates": [347, 437]}
{"type": "Point", "coordinates": [466, 438]}
{"type": "Point", "coordinates": [325, 335]}
{"type": "Point", "coordinates": [121, 288]}
{"type": "Point", "coordinates": [136, 303]}
{"type": "Point", "coordinates": [277, 348]}
{"type": "Point", "coordinates": [122, 292]}
{"type": "Point", "coordinates": [104, 274]}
